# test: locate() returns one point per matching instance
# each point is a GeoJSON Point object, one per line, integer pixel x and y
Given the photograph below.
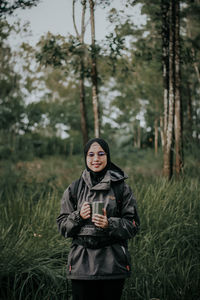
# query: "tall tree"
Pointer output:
{"type": "Point", "coordinates": [177, 92]}
{"type": "Point", "coordinates": [165, 65]}
{"type": "Point", "coordinates": [190, 71]}
{"type": "Point", "coordinates": [172, 96]}
{"type": "Point", "coordinates": [94, 75]}
{"type": "Point", "coordinates": [84, 125]}
{"type": "Point", "coordinates": [168, 154]}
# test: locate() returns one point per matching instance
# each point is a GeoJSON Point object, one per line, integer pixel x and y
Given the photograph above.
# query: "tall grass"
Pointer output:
{"type": "Point", "coordinates": [32, 254]}
{"type": "Point", "coordinates": [165, 254]}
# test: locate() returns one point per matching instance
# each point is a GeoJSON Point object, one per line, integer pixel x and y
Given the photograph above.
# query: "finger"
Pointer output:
{"type": "Point", "coordinates": [85, 205]}
{"type": "Point", "coordinates": [86, 211]}
{"type": "Point", "coordinates": [100, 224]}
{"type": "Point", "coordinates": [104, 212]}
{"type": "Point", "coordinates": [97, 218]}
{"type": "Point", "coordinates": [85, 216]}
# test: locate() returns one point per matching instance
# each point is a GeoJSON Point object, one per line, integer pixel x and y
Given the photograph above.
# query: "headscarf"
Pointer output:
{"type": "Point", "coordinates": [96, 177]}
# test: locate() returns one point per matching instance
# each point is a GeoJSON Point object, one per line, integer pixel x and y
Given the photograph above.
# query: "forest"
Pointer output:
{"type": "Point", "coordinates": [138, 88]}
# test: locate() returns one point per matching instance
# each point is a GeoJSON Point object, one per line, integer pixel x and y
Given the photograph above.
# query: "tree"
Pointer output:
{"type": "Point", "coordinates": [177, 92]}
{"type": "Point", "coordinates": [190, 71]}
{"type": "Point", "coordinates": [172, 112]}
{"type": "Point", "coordinates": [165, 67]}
{"type": "Point", "coordinates": [169, 107]}
{"type": "Point", "coordinates": [94, 76]}
{"type": "Point", "coordinates": [8, 8]}
{"type": "Point", "coordinates": [84, 125]}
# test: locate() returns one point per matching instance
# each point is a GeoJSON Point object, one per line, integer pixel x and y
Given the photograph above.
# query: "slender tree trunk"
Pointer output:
{"type": "Point", "coordinates": [168, 157]}
{"type": "Point", "coordinates": [94, 77]}
{"type": "Point", "coordinates": [165, 64]}
{"type": "Point", "coordinates": [178, 106]}
{"type": "Point", "coordinates": [162, 132]}
{"type": "Point", "coordinates": [195, 64]}
{"type": "Point", "coordinates": [156, 136]}
{"type": "Point", "coordinates": [139, 136]}
{"type": "Point", "coordinates": [196, 68]}
{"type": "Point", "coordinates": [189, 110]}
{"type": "Point", "coordinates": [134, 136]}
{"type": "Point", "coordinates": [84, 125]}
{"type": "Point", "coordinates": [167, 41]}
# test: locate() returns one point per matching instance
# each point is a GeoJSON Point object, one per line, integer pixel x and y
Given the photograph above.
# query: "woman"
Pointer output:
{"type": "Point", "coordinates": [98, 262]}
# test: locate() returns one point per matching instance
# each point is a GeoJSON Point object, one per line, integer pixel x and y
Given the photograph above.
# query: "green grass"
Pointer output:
{"type": "Point", "coordinates": [165, 254]}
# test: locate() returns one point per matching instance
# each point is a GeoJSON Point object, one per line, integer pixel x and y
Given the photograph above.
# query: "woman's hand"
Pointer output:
{"type": "Point", "coordinates": [85, 211]}
{"type": "Point", "coordinates": [99, 220]}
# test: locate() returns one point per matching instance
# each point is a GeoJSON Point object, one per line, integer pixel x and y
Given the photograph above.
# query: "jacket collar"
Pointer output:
{"type": "Point", "coordinates": [104, 184]}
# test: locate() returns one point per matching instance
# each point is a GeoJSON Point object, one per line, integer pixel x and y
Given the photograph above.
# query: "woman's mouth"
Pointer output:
{"type": "Point", "coordinates": [96, 165]}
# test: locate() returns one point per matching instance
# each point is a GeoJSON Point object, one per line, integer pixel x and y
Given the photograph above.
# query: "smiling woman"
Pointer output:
{"type": "Point", "coordinates": [100, 221]}
{"type": "Point", "coordinates": [96, 158]}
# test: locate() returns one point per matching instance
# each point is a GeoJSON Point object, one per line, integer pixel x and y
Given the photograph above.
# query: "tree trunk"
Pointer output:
{"type": "Point", "coordinates": [168, 157]}
{"type": "Point", "coordinates": [189, 110]}
{"type": "Point", "coordinates": [95, 100]}
{"type": "Point", "coordinates": [178, 106]}
{"type": "Point", "coordinates": [84, 125]}
{"type": "Point", "coordinates": [165, 63]}
{"type": "Point", "coordinates": [162, 132]}
{"type": "Point", "coordinates": [195, 64]}
{"type": "Point", "coordinates": [139, 136]}
{"type": "Point", "coordinates": [156, 136]}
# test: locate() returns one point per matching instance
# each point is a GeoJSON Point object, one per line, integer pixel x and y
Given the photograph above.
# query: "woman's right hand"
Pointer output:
{"type": "Point", "coordinates": [85, 211]}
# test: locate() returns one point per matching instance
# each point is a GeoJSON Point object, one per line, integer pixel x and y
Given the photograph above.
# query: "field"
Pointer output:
{"type": "Point", "coordinates": [165, 254]}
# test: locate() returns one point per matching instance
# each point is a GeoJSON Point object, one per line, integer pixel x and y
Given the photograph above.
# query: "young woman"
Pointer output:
{"type": "Point", "coordinates": [98, 261]}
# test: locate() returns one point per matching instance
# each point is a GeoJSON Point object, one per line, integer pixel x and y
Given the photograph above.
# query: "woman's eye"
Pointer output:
{"type": "Point", "coordinates": [101, 153]}
{"type": "Point", "coordinates": [90, 154]}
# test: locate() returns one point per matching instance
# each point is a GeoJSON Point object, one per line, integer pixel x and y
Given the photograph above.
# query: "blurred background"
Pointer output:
{"type": "Point", "coordinates": [124, 70]}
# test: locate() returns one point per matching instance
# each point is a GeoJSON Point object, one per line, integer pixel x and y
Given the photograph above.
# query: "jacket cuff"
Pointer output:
{"type": "Point", "coordinates": [77, 217]}
{"type": "Point", "coordinates": [110, 224]}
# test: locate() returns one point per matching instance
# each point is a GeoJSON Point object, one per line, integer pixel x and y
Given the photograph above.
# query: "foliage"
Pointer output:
{"type": "Point", "coordinates": [8, 8]}
{"type": "Point", "coordinates": [44, 95]}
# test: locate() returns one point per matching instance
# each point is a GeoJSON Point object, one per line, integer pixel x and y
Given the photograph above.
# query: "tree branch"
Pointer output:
{"type": "Point", "coordinates": [74, 21]}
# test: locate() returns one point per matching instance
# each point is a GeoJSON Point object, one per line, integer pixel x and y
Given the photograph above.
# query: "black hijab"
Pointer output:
{"type": "Point", "coordinates": [96, 177]}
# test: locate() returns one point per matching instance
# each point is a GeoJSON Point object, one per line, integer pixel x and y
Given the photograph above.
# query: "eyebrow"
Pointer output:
{"type": "Point", "coordinates": [97, 151]}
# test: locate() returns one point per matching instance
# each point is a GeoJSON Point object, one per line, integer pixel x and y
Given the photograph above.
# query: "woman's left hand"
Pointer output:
{"type": "Point", "coordinates": [100, 220]}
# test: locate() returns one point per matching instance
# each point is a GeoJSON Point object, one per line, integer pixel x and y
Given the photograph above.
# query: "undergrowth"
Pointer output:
{"type": "Point", "coordinates": [165, 253]}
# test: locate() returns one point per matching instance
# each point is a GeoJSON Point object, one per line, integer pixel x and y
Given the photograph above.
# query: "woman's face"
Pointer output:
{"type": "Point", "coordinates": [96, 158]}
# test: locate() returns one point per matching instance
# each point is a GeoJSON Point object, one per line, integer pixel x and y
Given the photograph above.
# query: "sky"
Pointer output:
{"type": "Point", "coordinates": [56, 16]}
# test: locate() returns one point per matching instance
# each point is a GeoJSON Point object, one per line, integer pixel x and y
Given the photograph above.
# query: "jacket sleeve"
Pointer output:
{"type": "Point", "coordinates": [127, 225]}
{"type": "Point", "coordinates": [69, 221]}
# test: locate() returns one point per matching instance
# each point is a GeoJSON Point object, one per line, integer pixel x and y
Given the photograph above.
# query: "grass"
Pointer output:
{"type": "Point", "coordinates": [165, 254]}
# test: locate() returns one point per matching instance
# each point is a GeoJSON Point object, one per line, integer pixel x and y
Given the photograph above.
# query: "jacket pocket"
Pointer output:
{"type": "Point", "coordinates": [121, 259]}
{"type": "Point", "coordinates": [127, 258]}
{"type": "Point", "coordinates": [70, 259]}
